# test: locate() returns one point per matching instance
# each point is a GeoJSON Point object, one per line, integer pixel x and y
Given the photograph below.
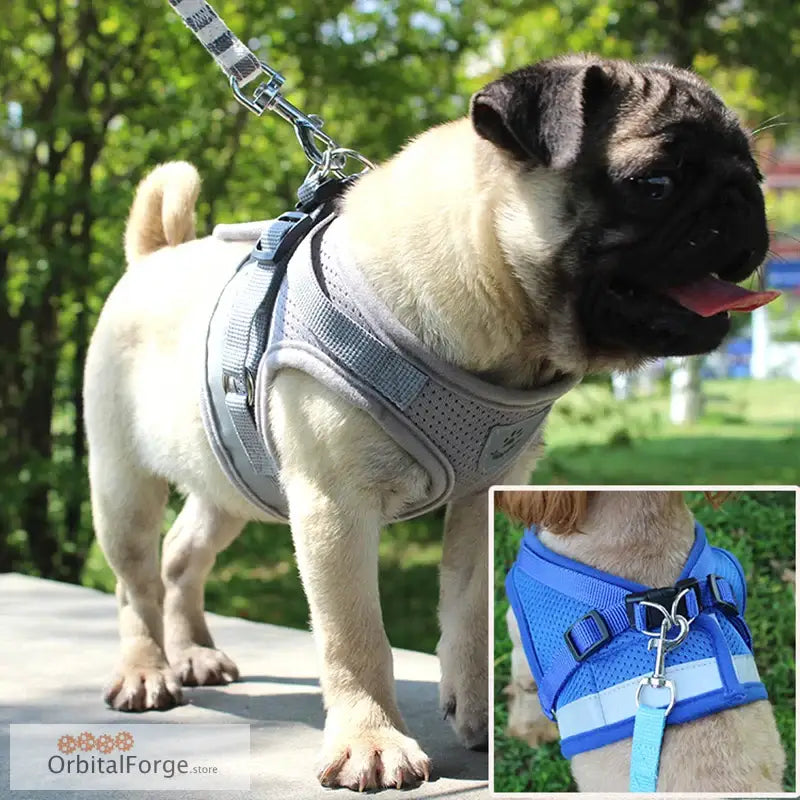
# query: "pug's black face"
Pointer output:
{"type": "Point", "coordinates": [676, 198]}
{"type": "Point", "coordinates": [662, 207]}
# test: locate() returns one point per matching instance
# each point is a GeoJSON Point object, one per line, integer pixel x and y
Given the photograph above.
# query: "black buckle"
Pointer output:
{"type": "Point", "coordinates": [664, 597]}
{"type": "Point", "coordinates": [727, 608]}
{"type": "Point", "coordinates": [605, 636]}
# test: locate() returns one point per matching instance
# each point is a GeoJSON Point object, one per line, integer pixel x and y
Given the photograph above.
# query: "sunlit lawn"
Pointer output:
{"type": "Point", "coordinates": [749, 434]}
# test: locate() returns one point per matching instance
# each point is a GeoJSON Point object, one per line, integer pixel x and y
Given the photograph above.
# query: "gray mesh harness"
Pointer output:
{"type": "Point", "coordinates": [321, 317]}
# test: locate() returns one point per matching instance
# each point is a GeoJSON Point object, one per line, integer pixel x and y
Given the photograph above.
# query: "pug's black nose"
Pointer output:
{"type": "Point", "coordinates": [708, 235]}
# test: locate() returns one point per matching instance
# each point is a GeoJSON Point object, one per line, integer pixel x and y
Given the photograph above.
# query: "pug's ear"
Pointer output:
{"type": "Point", "coordinates": [539, 113]}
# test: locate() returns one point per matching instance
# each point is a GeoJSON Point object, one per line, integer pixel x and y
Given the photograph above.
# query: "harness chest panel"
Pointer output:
{"type": "Point", "coordinates": [585, 647]}
{"type": "Point", "coordinates": [322, 317]}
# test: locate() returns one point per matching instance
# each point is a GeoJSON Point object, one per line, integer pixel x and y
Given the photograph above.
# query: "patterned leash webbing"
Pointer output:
{"type": "Point", "coordinates": [241, 66]}
{"type": "Point", "coordinates": [236, 60]}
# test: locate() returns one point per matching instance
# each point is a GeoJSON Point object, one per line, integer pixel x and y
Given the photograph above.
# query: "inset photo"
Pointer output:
{"type": "Point", "coordinates": [644, 640]}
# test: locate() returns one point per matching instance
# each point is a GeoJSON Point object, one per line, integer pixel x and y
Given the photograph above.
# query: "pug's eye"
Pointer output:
{"type": "Point", "coordinates": [653, 187]}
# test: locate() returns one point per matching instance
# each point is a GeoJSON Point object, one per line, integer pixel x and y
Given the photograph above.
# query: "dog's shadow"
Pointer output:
{"type": "Point", "coordinates": [418, 701]}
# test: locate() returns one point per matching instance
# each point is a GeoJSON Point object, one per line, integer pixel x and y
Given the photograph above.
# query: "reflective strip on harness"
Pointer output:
{"type": "Point", "coordinates": [618, 703]}
{"type": "Point", "coordinates": [245, 339]}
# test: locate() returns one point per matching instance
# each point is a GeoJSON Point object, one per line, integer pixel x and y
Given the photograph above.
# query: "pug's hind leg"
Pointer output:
{"type": "Point", "coordinates": [526, 720]}
{"type": "Point", "coordinates": [200, 531]}
{"type": "Point", "coordinates": [463, 600]}
{"type": "Point", "coordinates": [128, 507]}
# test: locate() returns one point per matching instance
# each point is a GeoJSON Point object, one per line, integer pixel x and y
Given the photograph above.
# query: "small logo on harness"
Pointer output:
{"type": "Point", "coordinates": [505, 441]}
{"type": "Point", "coordinates": [510, 441]}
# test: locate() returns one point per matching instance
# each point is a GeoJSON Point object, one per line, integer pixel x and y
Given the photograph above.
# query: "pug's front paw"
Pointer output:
{"type": "Point", "coordinates": [373, 759]}
{"type": "Point", "coordinates": [463, 694]}
{"type": "Point", "coordinates": [468, 718]}
{"type": "Point", "coordinates": [144, 680]}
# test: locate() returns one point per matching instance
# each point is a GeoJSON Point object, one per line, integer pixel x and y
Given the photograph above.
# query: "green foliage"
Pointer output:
{"type": "Point", "coordinates": [783, 210]}
{"type": "Point", "coordinates": [744, 50]}
{"type": "Point", "coordinates": [759, 528]}
{"type": "Point", "coordinates": [749, 434]}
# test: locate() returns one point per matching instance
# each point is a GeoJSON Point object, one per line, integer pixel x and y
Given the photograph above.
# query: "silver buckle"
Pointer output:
{"type": "Point", "coordinates": [657, 683]}
{"type": "Point", "coordinates": [230, 385]}
{"type": "Point", "coordinates": [663, 644]}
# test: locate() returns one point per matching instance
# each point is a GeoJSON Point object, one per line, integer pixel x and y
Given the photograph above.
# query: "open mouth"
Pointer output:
{"type": "Point", "coordinates": [711, 295]}
{"type": "Point", "coordinates": [688, 319]}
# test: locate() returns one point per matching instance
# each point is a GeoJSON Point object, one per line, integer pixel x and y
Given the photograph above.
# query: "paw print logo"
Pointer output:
{"type": "Point", "coordinates": [123, 741]}
{"type": "Point", "coordinates": [104, 743]}
{"type": "Point", "coordinates": [86, 742]}
{"type": "Point", "coordinates": [510, 441]}
{"type": "Point", "coordinates": [67, 744]}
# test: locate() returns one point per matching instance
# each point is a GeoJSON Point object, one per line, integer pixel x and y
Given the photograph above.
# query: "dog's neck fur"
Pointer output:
{"type": "Point", "coordinates": [641, 536]}
{"type": "Point", "coordinates": [441, 269]}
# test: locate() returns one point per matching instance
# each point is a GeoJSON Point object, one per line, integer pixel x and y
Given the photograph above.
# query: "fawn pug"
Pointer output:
{"type": "Point", "coordinates": [588, 214]}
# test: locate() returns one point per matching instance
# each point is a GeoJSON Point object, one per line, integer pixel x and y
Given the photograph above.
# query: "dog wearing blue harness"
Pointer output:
{"type": "Point", "coordinates": [652, 689]}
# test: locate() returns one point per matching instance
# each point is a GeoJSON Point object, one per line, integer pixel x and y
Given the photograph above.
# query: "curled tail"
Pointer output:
{"type": "Point", "coordinates": [162, 213]}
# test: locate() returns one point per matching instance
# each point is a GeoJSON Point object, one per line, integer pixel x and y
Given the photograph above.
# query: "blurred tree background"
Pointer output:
{"type": "Point", "coordinates": [93, 94]}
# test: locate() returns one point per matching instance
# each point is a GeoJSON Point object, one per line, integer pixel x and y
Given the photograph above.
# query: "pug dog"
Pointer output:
{"type": "Point", "coordinates": [587, 215]}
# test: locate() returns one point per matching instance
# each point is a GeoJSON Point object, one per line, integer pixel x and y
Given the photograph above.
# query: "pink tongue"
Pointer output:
{"type": "Point", "coordinates": [710, 295]}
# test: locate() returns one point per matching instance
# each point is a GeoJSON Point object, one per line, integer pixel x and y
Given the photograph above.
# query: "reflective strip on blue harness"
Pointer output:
{"type": "Point", "coordinates": [590, 638]}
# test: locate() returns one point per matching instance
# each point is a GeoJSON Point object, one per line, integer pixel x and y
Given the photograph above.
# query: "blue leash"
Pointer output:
{"type": "Point", "coordinates": [650, 720]}
{"type": "Point", "coordinates": [648, 734]}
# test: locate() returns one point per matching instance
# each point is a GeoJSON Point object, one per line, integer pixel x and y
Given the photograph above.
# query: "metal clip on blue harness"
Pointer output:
{"type": "Point", "coordinates": [589, 636]}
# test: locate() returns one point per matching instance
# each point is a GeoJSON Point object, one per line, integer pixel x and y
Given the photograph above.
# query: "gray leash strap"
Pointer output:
{"type": "Point", "coordinates": [235, 59]}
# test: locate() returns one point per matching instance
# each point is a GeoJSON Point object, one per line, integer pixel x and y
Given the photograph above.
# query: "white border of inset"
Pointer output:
{"type": "Point", "coordinates": [629, 488]}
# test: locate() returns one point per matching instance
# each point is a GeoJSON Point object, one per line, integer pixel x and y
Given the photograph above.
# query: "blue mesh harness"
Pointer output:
{"type": "Point", "coordinates": [582, 631]}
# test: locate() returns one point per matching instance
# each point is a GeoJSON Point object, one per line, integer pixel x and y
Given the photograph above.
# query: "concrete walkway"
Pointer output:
{"type": "Point", "coordinates": [58, 646]}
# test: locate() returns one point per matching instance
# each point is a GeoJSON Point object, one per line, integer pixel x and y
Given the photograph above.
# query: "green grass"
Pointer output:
{"type": "Point", "coordinates": [759, 528]}
{"type": "Point", "coordinates": [749, 435]}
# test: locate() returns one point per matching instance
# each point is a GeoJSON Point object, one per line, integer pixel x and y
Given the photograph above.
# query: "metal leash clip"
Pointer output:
{"type": "Point", "coordinates": [241, 65]}
{"type": "Point", "coordinates": [332, 159]}
{"type": "Point", "coordinates": [663, 644]}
